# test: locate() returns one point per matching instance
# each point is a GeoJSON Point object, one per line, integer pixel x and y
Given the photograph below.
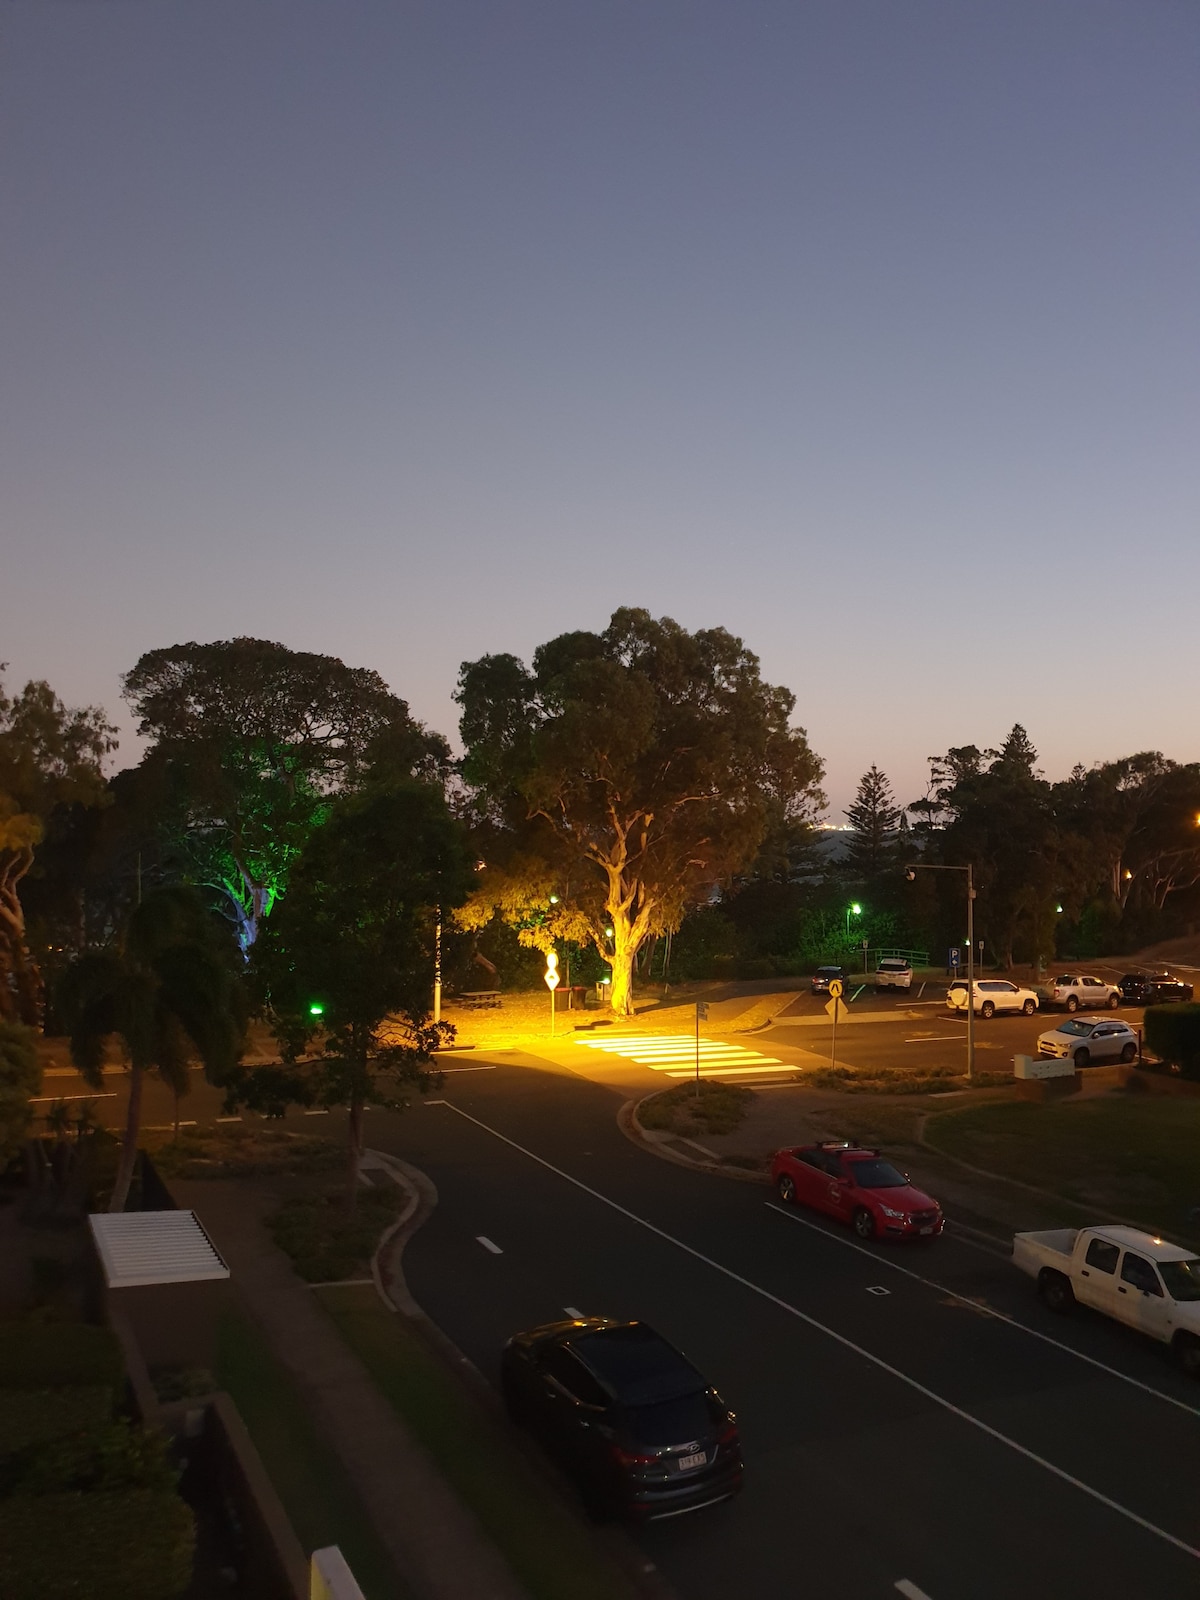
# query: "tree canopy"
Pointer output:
{"type": "Point", "coordinates": [49, 756]}
{"type": "Point", "coordinates": [623, 777]}
{"type": "Point", "coordinates": [256, 739]}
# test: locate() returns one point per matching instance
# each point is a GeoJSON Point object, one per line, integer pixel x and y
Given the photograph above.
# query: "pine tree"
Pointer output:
{"type": "Point", "coordinates": [875, 819]}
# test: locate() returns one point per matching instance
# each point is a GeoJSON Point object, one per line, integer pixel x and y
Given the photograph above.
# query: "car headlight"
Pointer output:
{"type": "Point", "coordinates": [888, 1212]}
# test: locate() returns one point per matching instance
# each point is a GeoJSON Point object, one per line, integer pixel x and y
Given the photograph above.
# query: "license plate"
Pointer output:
{"type": "Point", "coordinates": [686, 1463]}
{"type": "Point", "coordinates": [927, 1230]}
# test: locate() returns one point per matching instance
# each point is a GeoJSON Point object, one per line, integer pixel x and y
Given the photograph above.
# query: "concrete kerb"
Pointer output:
{"type": "Point", "coordinates": [387, 1271]}
{"type": "Point", "coordinates": [659, 1144]}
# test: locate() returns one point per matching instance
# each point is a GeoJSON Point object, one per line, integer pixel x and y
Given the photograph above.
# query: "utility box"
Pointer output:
{"type": "Point", "coordinates": [163, 1272]}
{"type": "Point", "coordinates": [1046, 1080]}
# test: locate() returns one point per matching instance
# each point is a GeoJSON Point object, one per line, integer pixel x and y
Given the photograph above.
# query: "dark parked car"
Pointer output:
{"type": "Point", "coordinates": [1153, 988]}
{"type": "Point", "coordinates": [638, 1428]}
{"type": "Point", "coordinates": [824, 976]}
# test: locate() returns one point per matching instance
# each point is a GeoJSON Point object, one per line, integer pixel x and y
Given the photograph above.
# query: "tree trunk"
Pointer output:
{"type": "Point", "coordinates": [133, 1125]}
{"type": "Point", "coordinates": [355, 1152]}
{"type": "Point", "coordinates": [620, 996]}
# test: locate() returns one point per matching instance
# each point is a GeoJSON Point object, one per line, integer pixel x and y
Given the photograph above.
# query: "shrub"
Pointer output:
{"type": "Point", "coordinates": [37, 1355]}
{"type": "Point", "coordinates": [719, 1108]}
{"type": "Point", "coordinates": [1173, 1034]}
{"type": "Point", "coordinates": [326, 1242]}
{"type": "Point", "coordinates": [134, 1545]}
{"type": "Point", "coordinates": [33, 1416]}
{"type": "Point", "coordinates": [114, 1455]}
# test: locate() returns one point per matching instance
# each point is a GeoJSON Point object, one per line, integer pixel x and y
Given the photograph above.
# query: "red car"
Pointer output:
{"type": "Point", "coordinates": [858, 1186]}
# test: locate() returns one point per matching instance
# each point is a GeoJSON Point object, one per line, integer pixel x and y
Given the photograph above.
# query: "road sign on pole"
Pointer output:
{"type": "Point", "coordinates": [836, 989]}
{"type": "Point", "coordinates": [551, 977]}
{"type": "Point", "coordinates": [701, 1015]}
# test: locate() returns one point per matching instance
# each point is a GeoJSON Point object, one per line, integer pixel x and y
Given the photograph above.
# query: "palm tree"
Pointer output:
{"type": "Point", "coordinates": [167, 990]}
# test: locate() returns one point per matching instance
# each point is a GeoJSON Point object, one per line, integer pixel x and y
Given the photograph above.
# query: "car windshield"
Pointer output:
{"type": "Point", "coordinates": [1081, 1029]}
{"type": "Point", "coordinates": [669, 1422]}
{"type": "Point", "coordinates": [1182, 1278]}
{"type": "Point", "coordinates": [877, 1175]}
{"type": "Point", "coordinates": [1066, 978]}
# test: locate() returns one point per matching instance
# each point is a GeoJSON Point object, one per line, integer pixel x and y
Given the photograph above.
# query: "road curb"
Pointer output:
{"type": "Point", "coordinates": [647, 1139]}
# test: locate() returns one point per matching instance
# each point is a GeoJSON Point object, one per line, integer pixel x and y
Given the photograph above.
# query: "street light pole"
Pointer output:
{"type": "Point", "coordinates": [910, 873]}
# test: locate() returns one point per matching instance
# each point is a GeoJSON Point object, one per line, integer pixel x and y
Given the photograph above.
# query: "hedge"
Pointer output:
{"type": "Point", "coordinates": [37, 1355]}
{"type": "Point", "coordinates": [100, 1459]}
{"type": "Point", "coordinates": [34, 1416]}
{"type": "Point", "coordinates": [136, 1545]}
{"type": "Point", "coordinates": [1173, 1034]}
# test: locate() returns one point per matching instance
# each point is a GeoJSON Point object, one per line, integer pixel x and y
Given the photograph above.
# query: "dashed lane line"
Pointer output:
{"type": "Point", "coordinates": [849, 1344]}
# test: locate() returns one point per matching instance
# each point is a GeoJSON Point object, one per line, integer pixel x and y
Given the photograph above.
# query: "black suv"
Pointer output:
{"type": "Point", "coordinates": [629, 1418]}
{"type": "Point", "coordinates": [1153, 988]}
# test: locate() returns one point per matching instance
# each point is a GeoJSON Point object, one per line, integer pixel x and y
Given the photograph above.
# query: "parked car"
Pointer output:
{"type": "Point", "coordinates": [859, 1186]}
{"type": "Point", "coordinates": [1153, 988]}
{"type": "Point", "coordinates": [991, 995]}
{"type": "Point", "coordinates": [824, 976]}
{"type": "Point", "coordinates": [893, 974]}
{"type": "Point", "coordinates": [1087, 1042]}
{"type": "Point", "coordinates": [629, 1418]}
{"type": "Point", "coordinates": [1075, 991]}
{"type": "Point", "coordinates": [1123, 1273]}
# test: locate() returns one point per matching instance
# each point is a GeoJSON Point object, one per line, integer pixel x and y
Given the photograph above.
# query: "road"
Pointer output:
{"type": "Point", "coordinates": [898, 1439]}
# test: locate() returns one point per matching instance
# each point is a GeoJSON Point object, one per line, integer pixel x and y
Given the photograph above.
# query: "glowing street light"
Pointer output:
{"type": "Point", "coordinates": [852, 911]}
{"type": "Point", "coordinates": [316, 1009]}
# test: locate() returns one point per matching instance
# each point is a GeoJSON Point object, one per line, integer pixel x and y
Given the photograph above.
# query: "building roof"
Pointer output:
{"type": "Point", "coordinates": [141, 1247]}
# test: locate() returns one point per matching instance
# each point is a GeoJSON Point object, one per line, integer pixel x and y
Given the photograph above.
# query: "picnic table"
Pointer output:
{"type": "Point", "coordinates": [480, 999]}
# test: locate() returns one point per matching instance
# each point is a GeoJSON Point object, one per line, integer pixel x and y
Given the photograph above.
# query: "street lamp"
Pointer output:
{"type": "Point", "coordinates": [852, 911]}
{"type": "Point", "coordinates": [910, 872]}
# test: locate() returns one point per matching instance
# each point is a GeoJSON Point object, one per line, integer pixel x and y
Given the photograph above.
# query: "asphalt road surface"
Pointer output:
{"type": "Point", "coordinates": [898, 1439]}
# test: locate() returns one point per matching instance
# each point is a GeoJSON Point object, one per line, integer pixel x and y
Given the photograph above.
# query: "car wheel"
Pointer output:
{"type": "Point", "coordinates": [864, 1223]}
{"type": "Point", "coordinates": [787, 1190]}
{"type": "Point", "coordinates": [1072, 1003]}
{"type": "Point", "coordinates": [1114, 1001]}
{"type": "Point", "coordinates": [1029, 1007]}
{"type": "Point", "coordinates": [1187, 1353]}
{"type": "Point", "coordinates": [1056, 1291]}
{"type": "Point", "coordinates": [987, 1009]}
{"type": "Point", "coordinates": [1081, 1058]}
{"type": "Point", "coordinates": [1129, 1053]}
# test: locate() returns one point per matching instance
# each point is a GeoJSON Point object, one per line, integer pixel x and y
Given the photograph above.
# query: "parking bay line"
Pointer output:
{"type": "Point", "coordinates": [849, 1344]}
{"type": "Point", "coordinates": [935, 1038]}
{"type": "Point", "coordinates": [488, 1245]}
{"type": "Point", "coordinates": [976, 1305]}
{"type": "Point", "coordinates": [909, 1590]}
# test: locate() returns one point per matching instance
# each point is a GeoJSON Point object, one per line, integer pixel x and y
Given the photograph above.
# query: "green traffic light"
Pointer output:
{"type": "Point", "coordinates": [316, 1009]}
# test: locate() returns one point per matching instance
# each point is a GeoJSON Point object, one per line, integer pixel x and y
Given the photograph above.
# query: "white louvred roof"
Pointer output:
{"type": "Point", "coordinates": [141, 1247]}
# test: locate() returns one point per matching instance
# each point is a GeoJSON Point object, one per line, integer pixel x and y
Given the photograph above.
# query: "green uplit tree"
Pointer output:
{"type": "Point", "coordinates": [257, 740]}
{"type": "Point", "coordinates": [622, 779]}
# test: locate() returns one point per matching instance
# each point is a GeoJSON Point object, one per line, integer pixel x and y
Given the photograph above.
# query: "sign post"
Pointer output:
{"type": "Point", "coordinates": [551, 977]}
{"type": "Point", "coordinates": [701, 1013]}
{"type": "Point", "coordinates": [834, 1006]}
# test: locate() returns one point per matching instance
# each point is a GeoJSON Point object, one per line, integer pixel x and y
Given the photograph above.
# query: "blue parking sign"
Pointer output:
{"type": "Point", "coordinates": [954, 956]}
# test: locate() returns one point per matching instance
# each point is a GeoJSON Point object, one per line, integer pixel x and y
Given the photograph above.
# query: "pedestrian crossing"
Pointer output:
{"type": "Point", "coordinates": [675, 1055]}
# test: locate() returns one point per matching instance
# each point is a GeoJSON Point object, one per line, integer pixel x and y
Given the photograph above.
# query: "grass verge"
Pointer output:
{"type": "Point", "coordinates": [324, 1241]}
{"type": "Point", "coordinates": [1133, 1156]}
{"type": "Point", "coordinates": [718, 1108]}
{"type": "Point", "coordinates": [317, 1495]}
{"type": "Point", "coordinates": [549, 1552]}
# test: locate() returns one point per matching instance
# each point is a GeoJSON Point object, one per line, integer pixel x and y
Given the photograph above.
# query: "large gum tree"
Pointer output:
{"type": "Point", "coordinates": [622, 778]}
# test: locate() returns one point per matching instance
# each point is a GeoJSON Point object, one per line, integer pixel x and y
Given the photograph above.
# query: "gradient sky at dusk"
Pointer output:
{"type": "Point", "coordinates": [414, 331]}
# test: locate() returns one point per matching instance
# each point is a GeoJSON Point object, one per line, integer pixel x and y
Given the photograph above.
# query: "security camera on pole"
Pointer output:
{"type": "Point", "coordinates": [551, 977]}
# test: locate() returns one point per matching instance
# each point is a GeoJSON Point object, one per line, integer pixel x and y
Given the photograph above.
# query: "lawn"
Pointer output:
{"type": "Point", "coordinates": [318, 1497]}
{"type": "Point", "coordinates": [551, 1553]}
{"type": "Point", "coordinates": [1136, 1157]}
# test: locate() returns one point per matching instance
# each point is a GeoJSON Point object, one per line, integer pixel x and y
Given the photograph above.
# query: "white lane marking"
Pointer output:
{"type": "Point", "coordinates": [934, 1038]}
{"type": "Point", "coordinates": [574, 1311]}
{"type": "Point", "coordinates": [324, 1112]}
{"type": "Point", "coordinates": [877, 1288]}
{"type": "Point", "coordinates": [920, 991]}
{"type": "Point", "coordinates": [46, 1099]}
{"type": "Point", "coordinates": [446, 1071]}
{"type": "Point", "coordinates": [909, 1590]}
{"type": "Point", "coordinates": [488, 1245]}
{"type": "Point", "coordinates": [227, 1119]}
{"type": "Point", "coordinates": [977, 1305]}
{"type": "Point", "coordinates": [849, 1344]}
{"type": "Point", "coordinates": [857, 992]}
{"type": "Point", "coordinates": [169, 1127]}
{"type": "Point", "coordinates": [724, 1072]}
{"type": "Point", "coordinates": [674, 1053]}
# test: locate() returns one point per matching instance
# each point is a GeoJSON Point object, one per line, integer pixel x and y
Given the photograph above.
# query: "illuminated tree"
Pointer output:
{"type": "Point", "coordinates": [256, 740]}
{"type": "Point", "coordinates": [49, 756]}
{"type": "Point", "coordinates": [623, 778]}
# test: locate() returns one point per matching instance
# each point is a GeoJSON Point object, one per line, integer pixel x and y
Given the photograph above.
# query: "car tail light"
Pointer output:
{"type": "Point", "coordinates": [629, 1458]}
{"type": "Point", "coordinates": [728, 1434]}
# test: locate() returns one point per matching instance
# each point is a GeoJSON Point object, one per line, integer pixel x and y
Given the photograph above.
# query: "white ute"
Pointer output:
{"type": "Point", "coordinates": [1132, 1276]}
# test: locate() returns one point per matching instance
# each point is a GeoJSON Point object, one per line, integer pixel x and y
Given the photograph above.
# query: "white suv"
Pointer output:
{"type": "Point", "coordinates": [1074, 991]}
{"type": "Point", "coordinates": [892, 974]}
{"type": "Point", "coordinates": [991, 995]}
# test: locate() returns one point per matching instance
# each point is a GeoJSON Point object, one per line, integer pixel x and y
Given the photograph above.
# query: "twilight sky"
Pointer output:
{"type": "Point", "coordinates": [410, 332]}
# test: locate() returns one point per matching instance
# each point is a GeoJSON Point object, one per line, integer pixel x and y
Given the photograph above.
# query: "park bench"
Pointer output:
{"type": "Point", "coordinates": [480, 999]}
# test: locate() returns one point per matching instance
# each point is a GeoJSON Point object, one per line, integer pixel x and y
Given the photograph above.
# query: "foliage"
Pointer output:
{"type": "Point", "coordinates": [255, 740]}
{"type": "Point", "coordinates": [20, 1081]}
{"type": "Point", "coordinates": [49, 756]}
{"type": "Point", "coordinates": [354, 939]}
{"type": "Point", "coordinates": [134, 1544]}
{"type": "Point", "coordinates": [719, 1108]}
{"type": "Point", "coordinates": [875, 845]}
{"type": "Point", "coordinates": [241, 1151]}
{"type": "Point", "coordinates": [1173, 1034]}
{"type": "Point", "coordinates": [168, 989]}
{"type": "Point", "coordinates": [325, 1242]}
{"type": "Point", "coordinates": [34, 1355]}
{"type": "Point", "coordinates": [30, 1417]}
{"type": "Point", "coordinates": [112, 1455]}
{"type": "Point", "coordinates": [623, 777]}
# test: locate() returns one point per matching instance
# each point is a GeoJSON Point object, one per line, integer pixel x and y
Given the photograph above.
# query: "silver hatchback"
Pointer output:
{"type": "Point", "coordinates": [1088, 1042]}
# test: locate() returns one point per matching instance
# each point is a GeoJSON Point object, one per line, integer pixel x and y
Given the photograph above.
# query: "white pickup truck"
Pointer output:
{"type": "Point", "coordinates": [1076, 991]}
{"type": "Point", "coordinates": [1132, 1276]}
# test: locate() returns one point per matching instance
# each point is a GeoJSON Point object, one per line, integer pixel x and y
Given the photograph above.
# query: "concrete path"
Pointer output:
{"type": "Point", "coordinates": [434, 1540]}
